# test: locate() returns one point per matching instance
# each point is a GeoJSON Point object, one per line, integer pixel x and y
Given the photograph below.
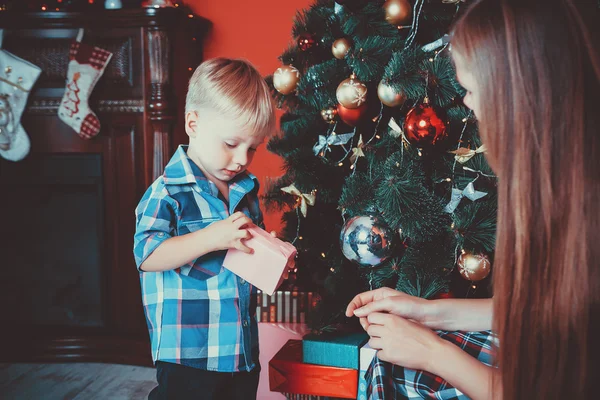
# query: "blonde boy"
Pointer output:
{"type": "Point", "coordinates": [200, 317]}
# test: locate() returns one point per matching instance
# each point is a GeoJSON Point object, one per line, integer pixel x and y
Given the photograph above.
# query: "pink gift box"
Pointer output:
{"type": "Point", "coordinates": [265, 267]}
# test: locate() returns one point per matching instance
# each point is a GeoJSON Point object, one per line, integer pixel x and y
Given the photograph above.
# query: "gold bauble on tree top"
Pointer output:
{"type": "Point", "coordinates": [398, 12]}
{"type": "Point", "coordinates": [341, 47]}
{"type": "Point", "coordinates": [285, 79]}
{"type": "Point", "coordinates": [351, 93]}
{"type": "Point", "coordinates": [474, 267]}
{"type": "Point", "coordinates": [389, 96]}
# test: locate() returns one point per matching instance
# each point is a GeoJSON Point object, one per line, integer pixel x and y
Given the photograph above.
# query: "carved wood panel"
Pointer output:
{"type": "Point", "coordinates": [52, 56]}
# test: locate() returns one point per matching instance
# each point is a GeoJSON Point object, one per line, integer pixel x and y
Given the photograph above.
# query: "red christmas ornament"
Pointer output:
{"type": "Point", "coordinates": [305, 41]}
{"type": "Point", "coordinates": [425, 125]}
{"type": "Point", "coordinates": [445, 295]}
{"type": "Point", "coordinates": [352, 116]}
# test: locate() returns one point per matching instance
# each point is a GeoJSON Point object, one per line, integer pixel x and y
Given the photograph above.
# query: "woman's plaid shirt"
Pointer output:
{"type": "Point", "coordinates": [389, 382]}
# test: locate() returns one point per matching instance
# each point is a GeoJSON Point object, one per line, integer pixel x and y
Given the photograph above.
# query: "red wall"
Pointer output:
{"type": "Point", "coordinates": [258, 31]}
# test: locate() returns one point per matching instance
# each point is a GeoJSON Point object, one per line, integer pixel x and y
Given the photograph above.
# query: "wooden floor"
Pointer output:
{"type": "Point", "coordinates": [75, 381]}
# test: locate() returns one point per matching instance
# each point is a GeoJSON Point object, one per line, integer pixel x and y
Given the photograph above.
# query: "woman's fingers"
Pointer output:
{"type": "Point", "coordinates": [376, 343]}
{"type": "Point", "coordinates": [379, 318]}
{"type": "Point", "coordinates": [386, 305]}
{"type": "Point", "coordinates": [375, 330]}
{"type": "Point", "coordinates": [360, 300]}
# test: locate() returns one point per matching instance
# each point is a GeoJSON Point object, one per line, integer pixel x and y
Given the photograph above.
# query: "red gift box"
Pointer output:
{"type": "Point", "coordinates": [287, 373]}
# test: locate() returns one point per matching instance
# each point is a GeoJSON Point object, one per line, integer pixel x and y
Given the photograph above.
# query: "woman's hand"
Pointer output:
{"type": "Point", "coordinates": [403, 342]}
{"type": "Point", "coordinates": [445, 314]}
{"type": "Point", "coordinates": [387, 300]}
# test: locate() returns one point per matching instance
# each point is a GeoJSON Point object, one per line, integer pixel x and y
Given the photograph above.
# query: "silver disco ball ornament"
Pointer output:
{"type": "Point", "coordinates": [366, 240]}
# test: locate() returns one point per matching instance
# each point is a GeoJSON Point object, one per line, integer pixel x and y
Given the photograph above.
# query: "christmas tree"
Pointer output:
{"type": "Point", "coordinates": [385, 182]}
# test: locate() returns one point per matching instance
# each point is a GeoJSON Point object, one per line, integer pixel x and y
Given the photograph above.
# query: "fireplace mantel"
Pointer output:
{"type": "Point", "coordinates": [139, 101]}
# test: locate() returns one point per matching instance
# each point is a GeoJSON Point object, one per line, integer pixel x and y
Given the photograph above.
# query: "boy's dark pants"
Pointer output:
{"type": "Point", "coordinates": [178, 382]}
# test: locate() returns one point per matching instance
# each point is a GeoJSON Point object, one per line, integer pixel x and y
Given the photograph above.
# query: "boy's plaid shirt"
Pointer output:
{"type": "Point", "coordinates": [199, 315]}
{"type": "Point", "coordinates": [388, 382]}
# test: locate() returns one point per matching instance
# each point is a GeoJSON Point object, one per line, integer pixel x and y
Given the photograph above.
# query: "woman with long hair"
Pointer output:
{"type": "Point", "coordinates": [531, 69]}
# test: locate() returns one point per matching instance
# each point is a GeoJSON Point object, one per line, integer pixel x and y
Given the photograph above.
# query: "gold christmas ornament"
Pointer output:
{"type": "Point", "coordinates": [340, 48]}
{"type": "Point", "coordinates": [329, 114]}
{"type": "Point", "coordinates": [351, 93]}
{"type": "Point", "coordinates": [398, 12]}
{"type": "Point", "coordinates": [474, 267]}
{"type": "Point", "coordinates": [389, 96]}
{"type": "Point", "coordinates": [285, 79]}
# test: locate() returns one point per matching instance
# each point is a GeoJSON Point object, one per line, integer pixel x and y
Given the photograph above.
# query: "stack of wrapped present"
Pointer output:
{"type": "Point", "coordinates": [322, 366]}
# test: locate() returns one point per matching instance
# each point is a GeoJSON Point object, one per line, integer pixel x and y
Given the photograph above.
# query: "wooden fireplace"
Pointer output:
{"type": "Point", "coordinates": [70, 288]}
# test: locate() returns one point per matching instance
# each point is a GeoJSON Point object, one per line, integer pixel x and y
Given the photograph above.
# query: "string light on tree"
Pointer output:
{"type": "Point", "coordinates": [398, 12]}
{"type": "Point", "coordinates": [285, 79]}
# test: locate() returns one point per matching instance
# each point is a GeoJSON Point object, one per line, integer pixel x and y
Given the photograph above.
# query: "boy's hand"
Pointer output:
{"type": "Point", "coordinates": [230, 233]}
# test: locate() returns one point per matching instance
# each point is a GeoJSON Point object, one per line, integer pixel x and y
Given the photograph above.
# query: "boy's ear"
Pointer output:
{"type": "Point", "coordinates": [191, 124]}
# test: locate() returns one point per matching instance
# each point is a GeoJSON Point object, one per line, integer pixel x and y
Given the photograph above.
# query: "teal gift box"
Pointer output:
{"type": "Point", "coordinates": [333, 349]}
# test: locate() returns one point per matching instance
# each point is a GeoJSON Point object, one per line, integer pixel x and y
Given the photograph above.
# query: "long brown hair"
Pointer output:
{"type": "Point", "coordinates": [537, 70]}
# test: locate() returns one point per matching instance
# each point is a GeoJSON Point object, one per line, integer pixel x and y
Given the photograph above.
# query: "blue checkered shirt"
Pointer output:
{"type": "Point", "coordinates": [199, 314]}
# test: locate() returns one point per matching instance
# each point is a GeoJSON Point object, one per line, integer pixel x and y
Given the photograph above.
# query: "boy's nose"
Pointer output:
{"type": "Point", "coordinates": [241, 158]}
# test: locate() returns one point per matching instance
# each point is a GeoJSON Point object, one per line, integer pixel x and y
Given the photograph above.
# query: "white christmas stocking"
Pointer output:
{"type": "Point", "coordinates": [17, 77]}
{"type": "Point", "coordinates": [87, 64]}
